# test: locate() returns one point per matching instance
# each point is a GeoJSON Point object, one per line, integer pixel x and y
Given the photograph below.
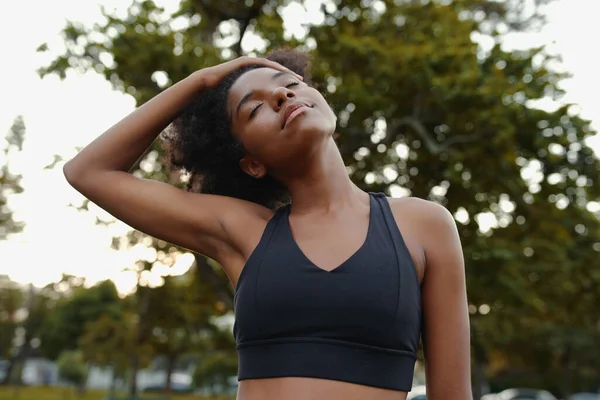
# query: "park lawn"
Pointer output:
{"type": "Point", "coordinates": [63, 393]}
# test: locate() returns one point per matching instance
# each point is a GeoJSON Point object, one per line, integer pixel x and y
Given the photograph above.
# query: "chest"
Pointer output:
{"type": "Point", "coordinates": [357, 297]}
{"type": "Point", "coordinates": [329, 243]}
{"type": "Point", "coordinates": [350, 280]}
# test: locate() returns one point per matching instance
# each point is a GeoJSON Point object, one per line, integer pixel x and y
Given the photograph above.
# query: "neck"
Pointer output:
{"type": "Point", "coordinates": [324, 184]}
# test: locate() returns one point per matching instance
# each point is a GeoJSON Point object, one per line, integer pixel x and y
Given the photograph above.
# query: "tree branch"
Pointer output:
{"type": "Point", "coordinates": [243, 27]}
{"type": "Point", "coordinates": [243, 18]}
{"type": "Point", "coordinates": [431, 144]}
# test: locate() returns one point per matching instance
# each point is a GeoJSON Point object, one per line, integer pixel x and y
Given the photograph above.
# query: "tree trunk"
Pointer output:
{"type": "Point", "coordinates": [170, 366]}
{"type": "Point", "coordinates": [480, 386]}
{"type": "Point", "coordinates": [81, 389]}
{"type": "Point", "coordinates": [139, 338]}
{"type": "Point", "coordinates": [133, 378]}
{"type": "Point", "coordinates": [9, 371]}
{"type": "Point", "coordinates": [19, 362]}
{"type": "Point", "coordinates": [566, 372]}
{"type": "Point", "coordinates": [112, 390]}
{"type": "Point", "coordinates": [82, 386]}
{"type": "Point", "coordinates": [23, 353]}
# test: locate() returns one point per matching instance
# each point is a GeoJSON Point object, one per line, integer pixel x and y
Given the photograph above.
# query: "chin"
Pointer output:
{"type": "Point", "coordinates": [316, 127]}
{"type": "Point", "coordinates": [314, 134]}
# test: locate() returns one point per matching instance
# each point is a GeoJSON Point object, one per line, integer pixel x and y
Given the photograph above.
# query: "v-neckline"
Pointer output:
{"type": "Point", "coordinates": [349, 258]}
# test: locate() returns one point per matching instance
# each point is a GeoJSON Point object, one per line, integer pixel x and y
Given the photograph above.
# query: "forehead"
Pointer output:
{"type": "Point", "coordinates": [251, 80]}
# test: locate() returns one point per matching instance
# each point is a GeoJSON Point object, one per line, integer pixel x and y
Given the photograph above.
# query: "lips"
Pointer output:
{"type": "Point", "coordinates": [289, 110]}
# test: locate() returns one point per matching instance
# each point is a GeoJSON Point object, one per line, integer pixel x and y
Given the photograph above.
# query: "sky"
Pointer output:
{"type": "Point", "coordinates": [62, 115]}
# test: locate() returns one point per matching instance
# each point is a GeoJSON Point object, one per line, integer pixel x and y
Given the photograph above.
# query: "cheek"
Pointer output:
{"type": "Point", "coordinates": [256, 142]}
{"type": "Point", "coordinates": [270, 151]}
{"type": "Point", "coordinates": [261, 132]}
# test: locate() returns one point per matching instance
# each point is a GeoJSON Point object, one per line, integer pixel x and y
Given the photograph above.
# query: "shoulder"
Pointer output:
{"type": "Point", "coordinates": [430, 223]}
{"type": "Point", "coordinates": [433, 214]}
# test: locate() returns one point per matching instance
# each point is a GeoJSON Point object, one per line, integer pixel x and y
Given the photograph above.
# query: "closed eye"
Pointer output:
{"type": "Point", "coordinates": [255, 109]}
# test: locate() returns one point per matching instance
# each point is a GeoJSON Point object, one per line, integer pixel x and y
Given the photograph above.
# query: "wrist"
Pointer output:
{"type": "Point", "coordinates": [201, 79]}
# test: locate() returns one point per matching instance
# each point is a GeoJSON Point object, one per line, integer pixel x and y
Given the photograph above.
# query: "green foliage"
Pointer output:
{"type": "Point", "coordinates": [109, 341]}
{"type": "Point", "coordinates": [11, 300]}
{"type": "Point", "coordinates": [53, 393]}
{"type": "Point", "coordinates": [72, 367]}
{"type": "Point", "coordinates": [423, 110]}
{"type": "Point", "coordinates": [183, 320]}
{"type": "Point", "coordinates": [71, 313]}
{"type": "Point", "coordinates": [22, 315]}
{"type": "Point", "coordinates": [10, 183]}
{"type": "Point", "coordinates": [215, 371]}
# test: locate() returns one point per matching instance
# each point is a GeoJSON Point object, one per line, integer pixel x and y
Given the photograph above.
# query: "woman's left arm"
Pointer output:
{"type": "Point", "coordinates": [446, 332]}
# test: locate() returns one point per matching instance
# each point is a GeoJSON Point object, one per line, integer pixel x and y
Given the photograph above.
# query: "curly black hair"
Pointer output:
{"type": "Point", "coordinates": [200, 142]}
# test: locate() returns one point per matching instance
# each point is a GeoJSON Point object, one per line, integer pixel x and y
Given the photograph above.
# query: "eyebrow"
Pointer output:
{"type": "Point", "coordinates": [247, 96]}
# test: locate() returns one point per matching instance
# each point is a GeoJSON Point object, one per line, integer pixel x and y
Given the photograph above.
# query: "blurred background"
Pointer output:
{"type": "Point", "coordinates": [487, 107]}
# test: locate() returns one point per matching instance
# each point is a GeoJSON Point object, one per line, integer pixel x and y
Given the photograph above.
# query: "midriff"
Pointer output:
{"type": "Point", "coordinates": [297, 388]}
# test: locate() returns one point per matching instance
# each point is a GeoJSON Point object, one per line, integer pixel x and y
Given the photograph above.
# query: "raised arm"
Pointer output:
{"type": "Point", "coordinates": [101, 173]}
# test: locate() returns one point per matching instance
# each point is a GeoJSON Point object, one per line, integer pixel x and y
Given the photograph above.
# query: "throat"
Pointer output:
{"type": "Point", "coordinates": [324, 185]}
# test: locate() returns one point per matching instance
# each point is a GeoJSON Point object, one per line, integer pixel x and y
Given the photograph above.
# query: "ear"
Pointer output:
{"type": "Point", "coordinates": [253, 167]}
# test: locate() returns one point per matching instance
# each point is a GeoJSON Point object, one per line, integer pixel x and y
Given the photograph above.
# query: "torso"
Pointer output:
{"type": "Point", "coordinates": [327, 243]}
{"type": "Point", "coordinates": [311, 389]}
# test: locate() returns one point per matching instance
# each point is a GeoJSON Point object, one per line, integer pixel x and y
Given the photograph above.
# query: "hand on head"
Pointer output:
{"type": "Point", "coordinates": [212, 76]}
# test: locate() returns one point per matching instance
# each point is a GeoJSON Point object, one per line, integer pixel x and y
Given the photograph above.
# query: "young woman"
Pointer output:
{"type": "Point", "coordinates": [334, 286]}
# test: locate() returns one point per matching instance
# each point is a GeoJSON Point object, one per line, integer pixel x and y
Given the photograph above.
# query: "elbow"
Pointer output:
{"type": "Point", "coordinates": [73, 174]}
{"type": "Point", "coordinates": [83, 178]}
{"type": "Point", "coordinates": [68, 171]}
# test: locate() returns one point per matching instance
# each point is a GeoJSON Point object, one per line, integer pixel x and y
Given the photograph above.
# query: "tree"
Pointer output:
{"type": "Point", "coordinates": [214, 372]}
{"type": "Point", "coordinates": [110, 341]}
{"type": "Point", "coordinates": [423, 110]}
{"type": "Point", "coordinates": [23, 312]}
{"type": "Point", "coordinates": [11, 301]}
{"type": "Point", "coordinates": [10, 183]}
{"type": "Point", "coordinates": [142, 330]}
{"type": "Point", "coordinates": [73, 369]}
{"type": "Point", "coordinates": [62, 330]}
{"type": "Point", "coordinates": [182, 320]}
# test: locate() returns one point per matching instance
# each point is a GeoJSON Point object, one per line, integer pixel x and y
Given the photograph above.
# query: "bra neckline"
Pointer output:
{"type": "Point", "coordinates": [286, 218]}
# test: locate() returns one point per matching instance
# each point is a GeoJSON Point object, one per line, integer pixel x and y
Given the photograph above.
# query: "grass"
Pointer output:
{"type": "Point", "coordinates": [63, 393]}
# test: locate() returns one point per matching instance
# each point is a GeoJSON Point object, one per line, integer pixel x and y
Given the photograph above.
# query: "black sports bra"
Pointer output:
{"type": "Point", "coordinates": [359, 323]}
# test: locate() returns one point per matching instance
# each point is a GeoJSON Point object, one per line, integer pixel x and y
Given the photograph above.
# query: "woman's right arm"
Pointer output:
{"type": "Point", "coordinates": [100, 172]}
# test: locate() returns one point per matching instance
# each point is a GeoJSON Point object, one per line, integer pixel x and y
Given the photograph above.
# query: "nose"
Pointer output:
{"type": "Point", "coordinates": [281, 95]}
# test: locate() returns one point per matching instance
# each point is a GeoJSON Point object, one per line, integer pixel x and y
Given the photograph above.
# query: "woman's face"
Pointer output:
{"type": "Point", "coordinates": [280, 120]}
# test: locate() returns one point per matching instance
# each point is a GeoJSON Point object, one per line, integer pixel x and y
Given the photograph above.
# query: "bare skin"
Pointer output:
{"type": "Point", "coordinates": [329, 215]}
